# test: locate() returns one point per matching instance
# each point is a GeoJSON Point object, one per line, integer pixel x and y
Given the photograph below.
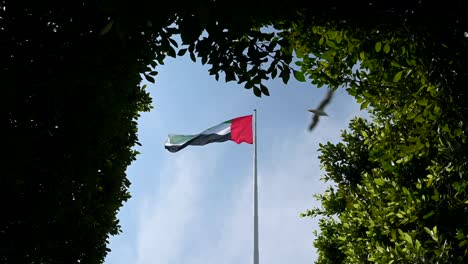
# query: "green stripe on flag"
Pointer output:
{"type": "Point", "coordinates": [179, 139]}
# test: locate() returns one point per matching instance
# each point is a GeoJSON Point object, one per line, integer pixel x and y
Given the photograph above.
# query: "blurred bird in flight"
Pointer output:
{"type": "Point", "coordinates": [319, 110]}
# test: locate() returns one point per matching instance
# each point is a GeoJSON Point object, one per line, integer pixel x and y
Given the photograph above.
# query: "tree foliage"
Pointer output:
{"type": "Point", "coordinates": [409, 212]}
{"type": "Point", "coordinates": [71, 74]}
{"type": "Point", "coordinates": [69, 107]}
{"type": "Point", "coordinates": [398, 191]}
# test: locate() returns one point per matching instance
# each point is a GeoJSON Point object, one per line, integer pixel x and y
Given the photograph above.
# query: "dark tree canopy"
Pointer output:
{"type": "Point", "coordinates": [70, 103]}
{"type": "Point", "coordinates": [71, 74]}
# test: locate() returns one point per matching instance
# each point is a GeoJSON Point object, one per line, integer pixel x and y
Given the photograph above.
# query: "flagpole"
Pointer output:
{"type": "Point", "coordinates": [255, 253]}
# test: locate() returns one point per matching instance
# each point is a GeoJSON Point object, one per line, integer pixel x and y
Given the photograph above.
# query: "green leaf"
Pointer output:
{"type": "Point", "coordinates": [431, 179]}
{"type": "Point", "coordinates": [331, 44]}
{"type": "Point", "coordinates": [273, 73]}
{"type": "Point", "coordinates": [378, 46]}
{"type": "Point", "coordinates": [386, 48]}
{"type": "Point", "coordinates": [411, 116]}
{"type": "Point", "coordinates": [230, 76]}
{"type": "Point", "coordinates": [257, 91]}
{"type": "Point", "coordinates": [173, 42]}
{"type": "Point", "coordinates": [362, 55]}
{"type": "Point", "coordinates": [411, 62]}
{"type": "Point", "coordinates": [171, 52]}
{"type": "Point", "coordinates": [407, 238]}
{"type": "Point", "coordinates": [181, 52]}
{"type": "Point", "coordinates": [339, 37]}
{"type": "Point", "coordinates": [192, 57]}
{"type": "Point", "coordinates": [419, 119]}
{"type": "Point", "coordinates": [367, 94]}
{"type": "Point", "coordinates": [395, 64]}
{"type": "Point", "coordinates": [204, 59]}
{"type": "Point", "coordinates": [397, 76]}
{"type": "Point", "coordinates": [426, 216]}
{"type": "Point", "coordinates": [322, 39]}
{"type": "Point", "coordinates": [264, 90]}
{"type": "Point", "coordinates": [379, 181]}
{"type": "Point", "coordinates": [328, 55]}
{"type": "Point", "coordinates": [107, 28]}
{"type": "Point", "coordinates": [149, 78]}
{"type": "Point", "coordinates": [365, 104]}
{"type": "Point", "coordinates": [428, 231]}
{"type": "Point", "coordinates": [285, 75]}
{"type": "Point", "coordinates": [299, 76]}
{"type": "Point", "coordinates": [432, 233]}
{"type": "Point", "coordinates": [423, 102]}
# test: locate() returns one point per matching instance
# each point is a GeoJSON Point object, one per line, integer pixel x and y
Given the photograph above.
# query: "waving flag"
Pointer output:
{"type": "Point", "coordinates": [238, 130]}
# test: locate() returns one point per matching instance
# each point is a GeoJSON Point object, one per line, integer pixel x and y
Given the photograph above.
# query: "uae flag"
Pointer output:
{"type": "Point", "coordinates": [238, 130]}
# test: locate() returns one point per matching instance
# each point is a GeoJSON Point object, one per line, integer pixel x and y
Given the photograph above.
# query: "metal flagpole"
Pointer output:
{"type": "Point", "coordinates": [255, 252]}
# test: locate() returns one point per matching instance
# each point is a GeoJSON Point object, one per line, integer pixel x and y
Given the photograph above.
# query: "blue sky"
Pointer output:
{"type": "Point", "coordinates": [195, 206]}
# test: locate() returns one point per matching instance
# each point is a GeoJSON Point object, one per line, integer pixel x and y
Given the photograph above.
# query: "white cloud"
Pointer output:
{"type": "Point", "coordinates": [166, 215]}
{"type": "Point", "coordinates": [287, 188]}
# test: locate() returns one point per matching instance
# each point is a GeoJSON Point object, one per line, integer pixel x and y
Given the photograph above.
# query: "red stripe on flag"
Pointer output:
{"type": "Point", "coordinates": [241, 129]}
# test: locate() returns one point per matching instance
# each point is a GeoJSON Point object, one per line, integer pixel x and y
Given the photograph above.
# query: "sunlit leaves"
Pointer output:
{"type": "Point", "coordinates": [386, 48]}
{"type": "Point", "coordinates": [362, 55]}
{"type": "Point", "coordinates": [408, 148]}
{"type": "Point", "coordinates": [378, 46]}
{"type": "Point", "coordinates": [397, 76]}
{"type": "Point", "coordinates": [331, 44]}
{"type": "Point", "coordinates": [299, 76]}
